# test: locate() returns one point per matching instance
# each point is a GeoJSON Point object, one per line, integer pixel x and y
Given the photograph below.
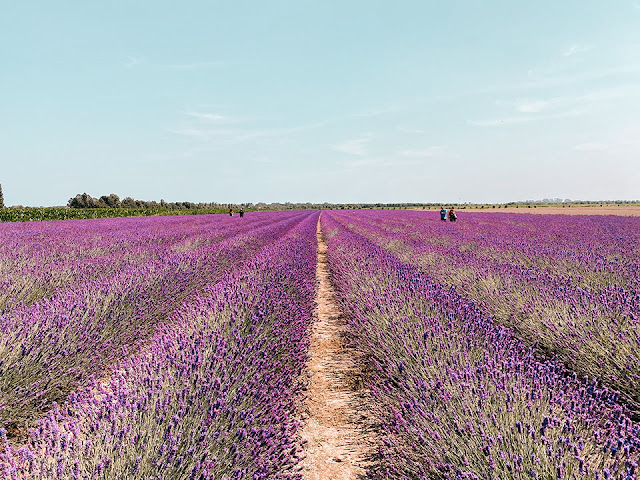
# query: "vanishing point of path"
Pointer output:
{"type": "Point", "coordinates": [337, 443]}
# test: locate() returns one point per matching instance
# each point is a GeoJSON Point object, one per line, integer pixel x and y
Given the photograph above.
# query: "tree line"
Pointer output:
{"type": "Point", "coordinates": [84, 200]}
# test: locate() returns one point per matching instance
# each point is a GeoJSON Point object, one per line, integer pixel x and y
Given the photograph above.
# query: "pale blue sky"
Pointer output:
{"type": "Point", "coordinates": [338, 101]}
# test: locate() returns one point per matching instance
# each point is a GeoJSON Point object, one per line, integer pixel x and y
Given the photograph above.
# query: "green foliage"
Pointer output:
{"type": "Point", "coordinates": [28, 214]}
{"type": "Point", "coordinates": [1, 197]}
{"type": "Point", "coordinates": [84, 200]}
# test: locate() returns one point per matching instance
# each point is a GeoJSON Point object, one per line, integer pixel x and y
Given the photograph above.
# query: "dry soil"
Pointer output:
{"type": "Point", "coordinates": [337, 439]}
{"type": "Point", "coordinates": [629, 211]}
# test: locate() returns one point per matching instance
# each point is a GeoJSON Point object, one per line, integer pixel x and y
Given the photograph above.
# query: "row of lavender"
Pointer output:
{"type": "Point", "coordinates": [589, 249]}
{"type": "Point", "coordinates": [571, 285]}
{"type": "Point", "coordinates": [458, 395]}
{"type": "Point", "coordinates": [38, 260]}
{"type": "Point", "coordinates": [213, 395]}
{"type": "Point", "coordinates": [51, 347]}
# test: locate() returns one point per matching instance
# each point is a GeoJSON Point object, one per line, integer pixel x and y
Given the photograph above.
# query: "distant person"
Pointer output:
{"type": "Point", "coordinates": [231, 212]}
{"type": "Point", "coordinates": [443, 214]}
{"type": "Point", "coordinates": [452, 215]}
{"type": "Point", "coordinates": [241, 212]}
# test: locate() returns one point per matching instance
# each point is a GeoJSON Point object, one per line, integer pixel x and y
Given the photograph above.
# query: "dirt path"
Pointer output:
{"type": "Point", "coordinates": [335, 430]}
{"type": "Point", "coordinates": [628, 211]}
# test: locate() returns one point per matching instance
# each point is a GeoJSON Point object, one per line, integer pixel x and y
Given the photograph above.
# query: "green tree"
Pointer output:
{"type": "Point", "coordinates": [111, 201]}
{"type": "Point", "coordinates": [129, 202]}
{"type": "Point", "coordinates": [79, 201]}
{"type": "Point", "coordinates": [1, 197]}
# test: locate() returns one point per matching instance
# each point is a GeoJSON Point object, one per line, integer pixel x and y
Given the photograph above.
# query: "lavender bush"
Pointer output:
{"type": "Point", "coordinates": [569, 285]}
{"type": "Point", "coordinates": [50, 348]}
{"type": "Point", "coordinates": [460, 396]}
{"type": "Point", "coordinates": [212, 395]}
{"type": "Point", "coordinates": [173, 348]}
{"type": "Point", "coordinates": [38, 260]}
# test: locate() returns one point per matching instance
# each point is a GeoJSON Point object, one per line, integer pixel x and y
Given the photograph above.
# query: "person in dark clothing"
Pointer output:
{"type": "Point", "coordinates": [241, 212]}
{"type": "Point", "coordinates": [443, 214]}
{"type": "Point", "coordinates": [231, 212]}
{"type": "Point", "coordinates": [452, 215]}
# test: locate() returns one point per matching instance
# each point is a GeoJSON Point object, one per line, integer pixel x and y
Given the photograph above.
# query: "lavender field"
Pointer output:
{"type": "Point", "coordinates": [503, 346]}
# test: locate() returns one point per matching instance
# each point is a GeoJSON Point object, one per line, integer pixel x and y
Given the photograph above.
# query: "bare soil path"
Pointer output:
{"type": "Point", "coordinates": [338, 439]}
{"type": "Point", "coordinates": [625, 211]}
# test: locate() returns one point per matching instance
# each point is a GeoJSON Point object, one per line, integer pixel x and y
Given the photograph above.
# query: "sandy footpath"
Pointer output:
{"type": "Point", "coordinates": [630, 211]}
{"type": "Point", "coordinates": [336, 441]}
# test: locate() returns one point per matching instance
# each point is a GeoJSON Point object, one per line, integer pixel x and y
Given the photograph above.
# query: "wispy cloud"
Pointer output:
{"type": "Point", "coordinates": [543, 81]}
{"type": "Point", "coordinates": [424, 152]}
{"type": "Point", "coordinates": [132, 61]}
{"type": "Point", "coordinates": [494, 122]}
{"type": "Point", "coordinates": [404, 129]}
{"type": "Point", "coordinates": [355, 146]}
{"type": "Point", "coordinates": [532, 106]}
{"type": "Point", "coordinates": [209, 117]}
{"type": "Point", "coordinates": [224, 132]}
{"type": "Point", "coordinates": [591, 147]}
{"type": "Point", "coordinates": [554, 103]}
{"type": "Point", "coordinates": [202, 133]}
{"type": "Point", "coordinates": [379, 162]}
{"type": "Point", "coordinates": [263, 160]}
{"type": "Point", "coordinates": [576, 49]}
{"type": "Point", "coordinates": [625, 146]}
{"type": "Point", "coordinates": [558, 107]}
{"type": "Point", "coordinates": [282, 132]}
{"type": "Point", "coordinates": [192, 65]}
{"type": "Point", "coordinates": [577, 77]}
{"type": "Point", "coordinates": [377, 111]}
{"type": "Point", "coordinates": [359, 162]}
